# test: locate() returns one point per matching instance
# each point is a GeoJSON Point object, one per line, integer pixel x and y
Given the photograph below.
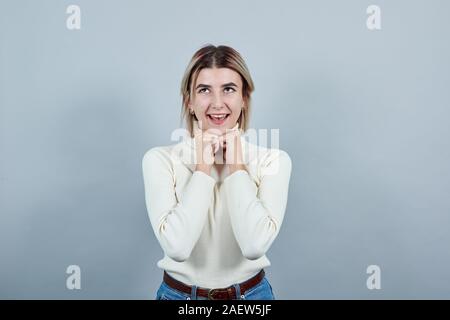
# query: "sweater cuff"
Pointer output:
{"type": "Point", "coordinates": [197, 196]}
{"type": "Point", "coordinates": [240, 186]}
{"type": "Point", "coordinates": [201, 177]}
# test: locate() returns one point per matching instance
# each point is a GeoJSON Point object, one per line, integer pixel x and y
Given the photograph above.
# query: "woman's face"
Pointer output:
{"type": "Point", "coordinates": [217, 98]}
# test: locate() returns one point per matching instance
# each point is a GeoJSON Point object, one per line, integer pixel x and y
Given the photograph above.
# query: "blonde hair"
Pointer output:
{"type": "Point", "coordinates": [211, 56]}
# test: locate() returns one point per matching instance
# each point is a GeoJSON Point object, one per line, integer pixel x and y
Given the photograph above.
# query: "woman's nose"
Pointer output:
{"type": "Point", "coordinates": [217, 101]}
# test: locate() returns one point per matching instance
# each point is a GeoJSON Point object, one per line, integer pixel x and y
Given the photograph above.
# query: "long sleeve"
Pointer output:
{"type": "Point", "coordinates": [257, 212]}
{"type": "Point", "coordinates": [177, 223]}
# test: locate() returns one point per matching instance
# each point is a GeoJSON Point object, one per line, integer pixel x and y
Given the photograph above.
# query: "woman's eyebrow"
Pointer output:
{"type": "Point", "coordinates": [203, 86]}
{"type": "Point", "coordinates": [229, 84]}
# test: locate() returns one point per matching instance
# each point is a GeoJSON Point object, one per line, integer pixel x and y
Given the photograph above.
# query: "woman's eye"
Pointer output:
{"type": "Point", "coordinates": [203, 90]}
{"type": "Point", "coordinates": [229, 89]}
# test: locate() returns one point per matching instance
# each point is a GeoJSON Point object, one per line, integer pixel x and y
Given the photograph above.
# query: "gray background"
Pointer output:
{"type": "Point", "coordinates": [363, 114]}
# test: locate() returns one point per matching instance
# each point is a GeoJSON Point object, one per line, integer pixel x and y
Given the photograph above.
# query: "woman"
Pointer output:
{"type": "Point", "coordinates": [216, 202]}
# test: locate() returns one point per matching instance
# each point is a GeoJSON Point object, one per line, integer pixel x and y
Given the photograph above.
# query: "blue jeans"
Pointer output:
{"type": "Point", "coordinates": [261, 291]}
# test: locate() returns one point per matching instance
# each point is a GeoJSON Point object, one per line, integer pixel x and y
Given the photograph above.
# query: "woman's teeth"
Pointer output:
{"type": "Point", "coordinates": [218, 119]}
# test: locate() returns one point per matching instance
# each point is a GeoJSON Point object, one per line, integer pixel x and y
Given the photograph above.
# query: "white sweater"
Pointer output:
{"type": "Point", "coordinates": [215, 230]}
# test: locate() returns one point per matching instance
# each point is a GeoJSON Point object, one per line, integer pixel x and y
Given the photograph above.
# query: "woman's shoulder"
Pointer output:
{"type": "Point", "coordinates": [269, 160]}
{"type": "Point", "coordinates": [160, 153]}
{"type": "Point", "coordinates": [264, 154]}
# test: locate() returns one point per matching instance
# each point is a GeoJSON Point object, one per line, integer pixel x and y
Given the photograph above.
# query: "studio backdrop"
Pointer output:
{"type": "Point", "coordinates": [357, 89]}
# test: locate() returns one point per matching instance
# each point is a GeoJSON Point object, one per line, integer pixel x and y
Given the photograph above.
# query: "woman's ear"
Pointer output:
{"type": "Point", "coordinates": [189, 108]}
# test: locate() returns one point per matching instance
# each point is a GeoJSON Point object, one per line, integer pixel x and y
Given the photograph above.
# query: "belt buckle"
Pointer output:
{"type": "Point", "coordinates": [210, 293]}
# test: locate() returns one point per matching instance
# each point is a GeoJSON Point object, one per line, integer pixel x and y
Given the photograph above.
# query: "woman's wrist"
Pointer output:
{"type": "Point", "coordinates": [237, 167]}
{"type": "Point", "coordinates": [203, 168]}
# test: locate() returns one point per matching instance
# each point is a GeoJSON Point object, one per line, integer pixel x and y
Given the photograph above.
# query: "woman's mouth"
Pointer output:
{"type": "Point", "coordinates": [217, 119]}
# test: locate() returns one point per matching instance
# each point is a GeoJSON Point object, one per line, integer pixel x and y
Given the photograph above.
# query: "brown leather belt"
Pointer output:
{"type": "Point", "coordinates": [228, 293]}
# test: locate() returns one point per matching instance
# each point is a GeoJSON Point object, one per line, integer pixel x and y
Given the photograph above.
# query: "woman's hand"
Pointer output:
{"type": "Point", "coordinates": [206, 145]}
{"type": "Point", "coordinates": [232, 150]}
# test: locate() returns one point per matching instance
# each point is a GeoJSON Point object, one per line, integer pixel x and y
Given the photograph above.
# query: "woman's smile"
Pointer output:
{"type": "Point", "coordinates": [217, 119]}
